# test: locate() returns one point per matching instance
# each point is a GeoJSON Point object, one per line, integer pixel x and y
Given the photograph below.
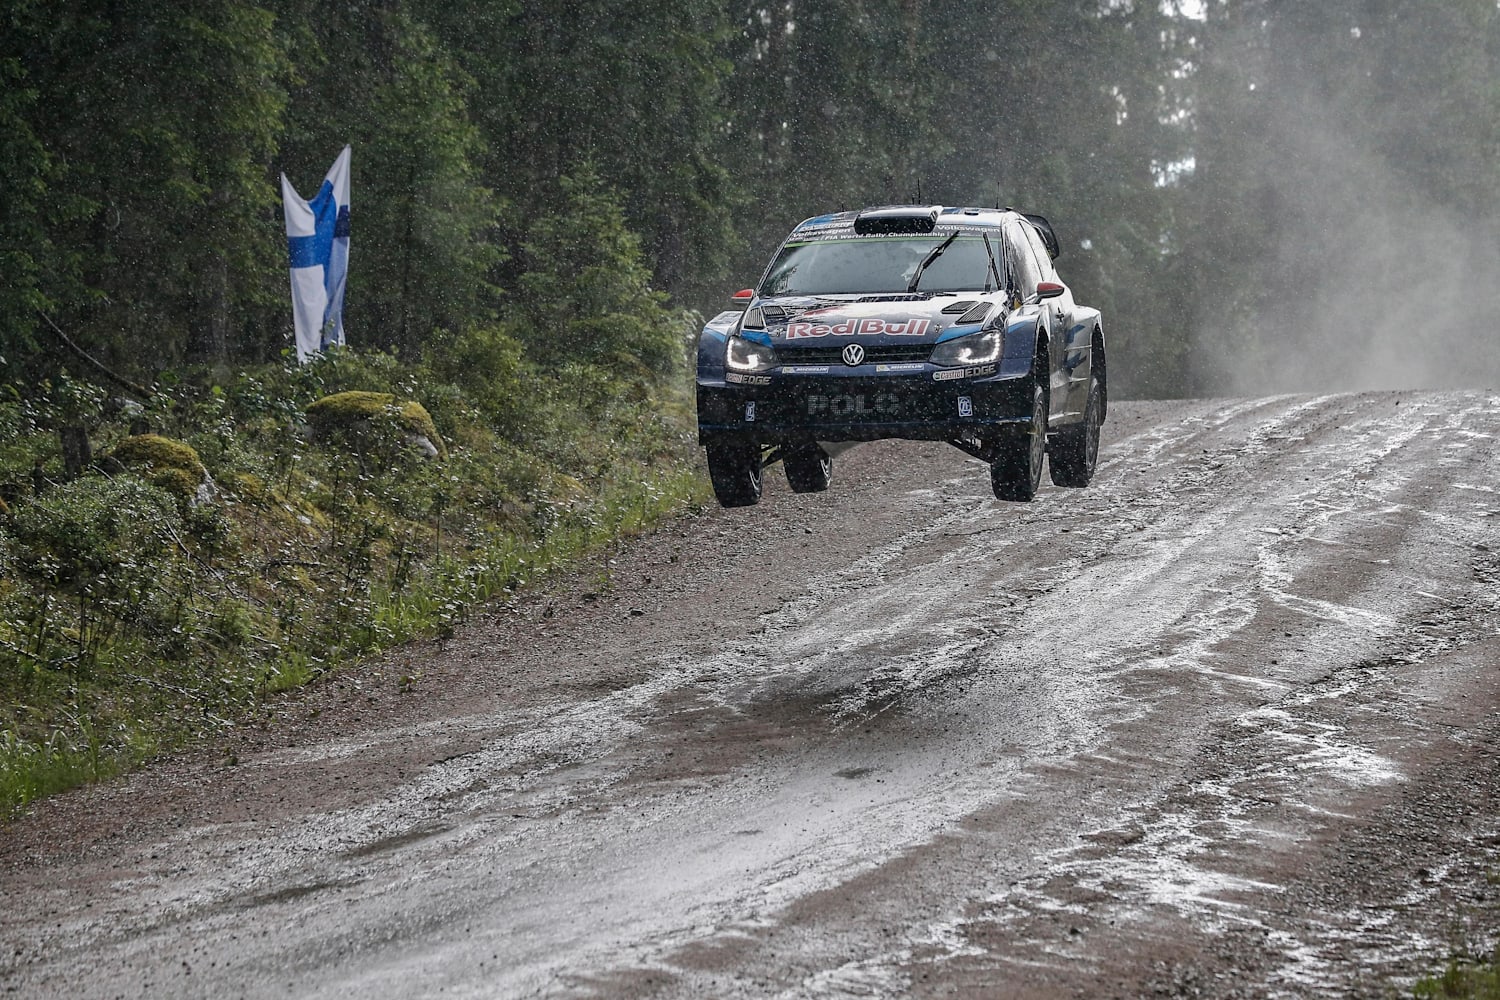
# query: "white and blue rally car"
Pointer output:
{"type": "Point", "coordinates": [917, 322]}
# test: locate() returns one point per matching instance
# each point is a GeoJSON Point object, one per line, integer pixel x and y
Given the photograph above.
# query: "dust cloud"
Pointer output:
{"type": "Point", "coordinates": [1375, 288]}
{"type": "Point", "coordinates": [1366, 274]}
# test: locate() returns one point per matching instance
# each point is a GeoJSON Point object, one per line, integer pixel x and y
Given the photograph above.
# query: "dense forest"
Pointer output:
{"type": "Point", "coordinates": [548, 196]}
{"type": "Point", "coordinates": [1302, 191]}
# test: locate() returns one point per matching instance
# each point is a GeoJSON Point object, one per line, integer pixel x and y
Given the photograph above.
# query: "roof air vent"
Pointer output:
{"type": "Point", "coordinates": [900, 219]}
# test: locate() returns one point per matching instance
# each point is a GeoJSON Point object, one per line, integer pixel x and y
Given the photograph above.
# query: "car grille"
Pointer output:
{"type": "Point", "coordinates": [835, 355]}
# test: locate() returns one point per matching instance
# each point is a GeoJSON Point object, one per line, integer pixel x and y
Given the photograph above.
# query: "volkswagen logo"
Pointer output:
{"type": "Point", "coordinates": [854, 355]}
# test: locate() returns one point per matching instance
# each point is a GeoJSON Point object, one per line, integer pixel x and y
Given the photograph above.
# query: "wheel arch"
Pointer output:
{"type": "Point", "coordinates": [1042, 355]}
{"type": "Point", "coordinates": [1099, 366]}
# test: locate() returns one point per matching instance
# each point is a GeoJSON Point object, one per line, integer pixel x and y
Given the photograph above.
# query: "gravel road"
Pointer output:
{"type": "Point", "coordinates": [1224, 724]}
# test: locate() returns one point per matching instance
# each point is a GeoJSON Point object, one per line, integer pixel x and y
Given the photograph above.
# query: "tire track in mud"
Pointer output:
{"type": "Point", "coordinates": [886, 681]}
{"type": "Point", "coordinates": [1107, 706]}
{"type": "Point", "coordinates": [1163, 853]}
{"type": "Point", "coordinates": [1347, 628]}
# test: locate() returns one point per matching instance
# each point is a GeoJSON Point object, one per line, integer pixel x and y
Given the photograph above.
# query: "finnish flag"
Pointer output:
{"type": "Point", "coordinates": [317, 239]}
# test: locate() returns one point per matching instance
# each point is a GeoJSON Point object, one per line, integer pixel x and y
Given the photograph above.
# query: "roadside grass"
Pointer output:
{"type": "Point", "coordinates": [1463, 980]}
{"type": "Point", "coordinates": [1469, 974]}
{"type": "Point", "coordinates": [31, 771]}
{"type": "Point", "coordinates": [140, 609]}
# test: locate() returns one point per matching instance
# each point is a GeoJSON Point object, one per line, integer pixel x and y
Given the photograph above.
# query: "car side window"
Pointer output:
{"type": "Point", "coordinates": [1039, 250]}
{"type": "Point", "coordinates": [1028, 272]}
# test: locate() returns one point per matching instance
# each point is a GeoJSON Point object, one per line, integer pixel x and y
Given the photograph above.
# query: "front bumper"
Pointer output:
{"type": "Point", "coordinates": [931, 405]}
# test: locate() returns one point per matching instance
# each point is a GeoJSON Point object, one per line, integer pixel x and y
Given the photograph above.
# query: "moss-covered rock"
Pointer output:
{"type": "Point", "coordinates": [178, 482]}
{"type": "Point", "coordinates": [172, 465]}
{"type": "Point", "coordinates": [346, 410]}
{"type": "Point", "coordinates": [152, 451]}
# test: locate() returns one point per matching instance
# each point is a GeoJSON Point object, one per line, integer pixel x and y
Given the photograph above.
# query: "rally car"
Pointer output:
{"type": "Point", "coordinates": [916, 322]}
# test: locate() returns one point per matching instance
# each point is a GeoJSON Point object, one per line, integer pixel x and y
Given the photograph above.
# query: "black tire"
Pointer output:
{"type": "Point", "coordinates": [1074, 452]}
{"type": "Point", "coordinates": [808, 470]}
{"type": "Point", "coordinates": [735, 472]}
{"type": "Point", "coordinates": [1016, 473]}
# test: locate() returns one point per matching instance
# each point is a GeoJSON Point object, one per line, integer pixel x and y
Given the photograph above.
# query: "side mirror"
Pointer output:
{"type": "Point", "coordinates": [1049, 290]}
{"type": "Point", "coordinates": [741, 299]}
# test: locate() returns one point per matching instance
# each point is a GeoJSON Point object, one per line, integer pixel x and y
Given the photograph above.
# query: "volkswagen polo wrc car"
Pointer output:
{"type": "Point", "coordinates": [917, 322]}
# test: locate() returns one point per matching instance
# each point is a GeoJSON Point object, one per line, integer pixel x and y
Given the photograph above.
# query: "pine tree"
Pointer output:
{"type": "Point", "coordinates": [165, 115]}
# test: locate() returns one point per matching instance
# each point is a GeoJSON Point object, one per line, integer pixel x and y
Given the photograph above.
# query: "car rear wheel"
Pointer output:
{"type": "Point", "coordinates": [1016, 473]}
{"type": "Point", "coordinates": [735, 472]}
{"type": "Point", "coordinates": [808, 470]}
{"type": "Point", "coordinates": [1074, 452]}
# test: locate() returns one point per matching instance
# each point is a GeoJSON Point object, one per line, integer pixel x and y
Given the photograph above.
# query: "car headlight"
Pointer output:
{"type": "Point", "coordinates": [744, 355]}
{"type": "Point", "coordinates": [976, 349]}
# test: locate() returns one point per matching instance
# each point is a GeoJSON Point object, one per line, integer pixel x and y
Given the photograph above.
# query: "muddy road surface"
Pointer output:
{"type": "Point", "coordinates": [1225, 724]}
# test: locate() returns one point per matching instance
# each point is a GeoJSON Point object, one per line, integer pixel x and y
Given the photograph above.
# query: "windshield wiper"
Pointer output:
{"type": "Point", "coordinates": [990, 268]}
{"type": "Point", "coordinates": [937, 252]}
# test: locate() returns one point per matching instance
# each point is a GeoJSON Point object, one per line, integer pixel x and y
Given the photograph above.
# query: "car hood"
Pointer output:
{"type": "Point", "coordinates": [873, 320]}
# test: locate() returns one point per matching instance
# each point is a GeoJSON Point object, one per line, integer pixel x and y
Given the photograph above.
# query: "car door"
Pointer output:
{"type": "Point", "coordinates": [1028, 274]}
{"type": "Point", "coordinates": [1072, 342]}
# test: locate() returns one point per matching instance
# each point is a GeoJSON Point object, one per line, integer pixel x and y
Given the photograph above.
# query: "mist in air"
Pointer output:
{"type": "Point", "coordinates": [1344, 233]}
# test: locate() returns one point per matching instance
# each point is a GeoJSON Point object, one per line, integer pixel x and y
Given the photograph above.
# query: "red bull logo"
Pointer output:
{"type": "Point", "coordinates": [859, 327]}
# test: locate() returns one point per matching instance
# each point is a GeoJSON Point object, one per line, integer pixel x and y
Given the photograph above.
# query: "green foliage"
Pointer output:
{"type": "Point", "coordinates": [637, 90]}
{"type": "Point", "coordinates": [111, 538]}
{"type": "Point", "coordinates": [32, 770]}
{"type": "Point", "coordinates": [586, 294]}
{"type": "Point", "coordinates": [37, 275]}
{"type": "Point", "coordinates": [132, 617]}
{"type": "Point", "coordinates": [488, 365]}
{"type": "Point", "coordinates": [164, 115]}
{"type": "Point", "coordinates": [1463, 980]}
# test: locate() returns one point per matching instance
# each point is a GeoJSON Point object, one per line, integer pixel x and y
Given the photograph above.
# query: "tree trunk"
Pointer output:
{"type": "Point", "coordinates": [77, 454]}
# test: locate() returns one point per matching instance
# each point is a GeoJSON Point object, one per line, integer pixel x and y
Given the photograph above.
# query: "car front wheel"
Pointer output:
{"type": "Point", "coordinates": [1016, 472]}
{"type": "Point", "coordinates": [735, 472]}
{"type": "Point", "coordinates": [808, 470]}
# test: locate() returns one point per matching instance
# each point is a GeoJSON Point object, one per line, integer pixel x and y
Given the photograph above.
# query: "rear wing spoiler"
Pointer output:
{"type": "Point", "coordinates": [1049, 238]}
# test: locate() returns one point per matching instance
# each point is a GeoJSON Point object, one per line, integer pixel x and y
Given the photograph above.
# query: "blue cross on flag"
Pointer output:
{"type": "Point", "coordinates": [317, 239]}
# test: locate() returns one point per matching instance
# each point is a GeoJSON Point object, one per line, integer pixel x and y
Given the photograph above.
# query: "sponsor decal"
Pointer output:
{"type": "Point", "coordinates": [750, 412]}
{"type": "Point", "coordinates": [842, 229]}
{"type": "Point", "coordinates": [747, 379]}
{"type": "Point", "coordinates": [973, 371]}
{"type": "Point", "coordinates": [965, 406]}
{"type": "Point", "coordinates": [910, 366]}
{"type": "Point", "coordinates": [854, 355]}
{"type": "Point", "coordinates": [806, 369]}
{"type": "Point", "coordinates": [879, 404]}
{"type": "Point", "coordinates": [859, 327]}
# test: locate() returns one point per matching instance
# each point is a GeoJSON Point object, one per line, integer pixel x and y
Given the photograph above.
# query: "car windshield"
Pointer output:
{"type": "Point", "coordinates": [879, 264]}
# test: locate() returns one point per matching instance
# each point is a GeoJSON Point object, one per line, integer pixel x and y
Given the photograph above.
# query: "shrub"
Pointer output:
{"type": "Point", "coordinates": [107, 534]}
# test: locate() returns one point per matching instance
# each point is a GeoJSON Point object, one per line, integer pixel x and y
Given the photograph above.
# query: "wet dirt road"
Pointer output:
{"type": "Point", "coordinates": [1223, 724]}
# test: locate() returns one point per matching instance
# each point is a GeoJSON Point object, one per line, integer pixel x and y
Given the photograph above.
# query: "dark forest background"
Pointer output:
{"type": "Point", "coordinates": [1271, 194]}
